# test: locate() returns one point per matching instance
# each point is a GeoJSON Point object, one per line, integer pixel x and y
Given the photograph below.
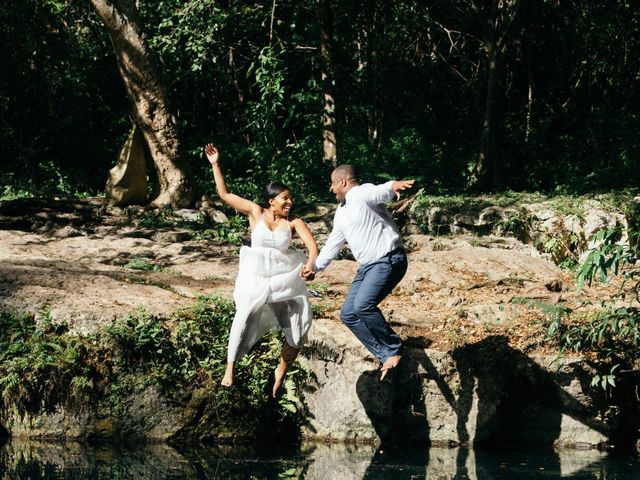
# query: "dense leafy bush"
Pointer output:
{"type": "Point", "coordinates": [407, 103]}
{"type": "Point", "coordinates": [42, 365]}
{"type": "Point", "coordinates": [611, 334]}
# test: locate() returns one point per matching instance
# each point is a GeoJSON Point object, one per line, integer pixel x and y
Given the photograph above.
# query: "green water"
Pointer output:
{"type": "Point", "coordinates": [53, 460]}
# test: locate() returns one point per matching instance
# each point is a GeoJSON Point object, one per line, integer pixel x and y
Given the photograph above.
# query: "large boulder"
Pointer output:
{"type": "Point", "coordinates": [485, 392]}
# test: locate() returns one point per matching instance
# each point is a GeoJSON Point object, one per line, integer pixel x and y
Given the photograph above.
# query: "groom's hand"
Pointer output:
{"type": "Point", "coordinates": [307, 273]}
{"type": "Point", "coordinates": [400, 185]}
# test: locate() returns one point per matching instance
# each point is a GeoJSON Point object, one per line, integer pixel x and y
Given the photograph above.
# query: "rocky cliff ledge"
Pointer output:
{"type": "Point", "coordinates": [484, 392]}
{"type": "Point", "coordinates": [477, 366]}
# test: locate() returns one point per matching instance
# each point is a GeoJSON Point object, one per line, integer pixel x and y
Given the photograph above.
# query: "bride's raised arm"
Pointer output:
{"type": "Point", "coordinates": [236, 202]}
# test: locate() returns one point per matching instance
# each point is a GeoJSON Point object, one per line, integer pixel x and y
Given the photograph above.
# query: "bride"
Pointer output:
{"type": "Point", "coordinates": [270, 292]}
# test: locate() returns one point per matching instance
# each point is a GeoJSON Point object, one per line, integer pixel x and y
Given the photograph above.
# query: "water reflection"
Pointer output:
{"type": "Point", "coordinates": [68, 460]}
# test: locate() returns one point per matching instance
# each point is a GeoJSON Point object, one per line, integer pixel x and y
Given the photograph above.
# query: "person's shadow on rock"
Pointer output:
{"type": "Point", "coordinates": [499, 395]}
{"type": "Point", "coordinates": [396, 406]}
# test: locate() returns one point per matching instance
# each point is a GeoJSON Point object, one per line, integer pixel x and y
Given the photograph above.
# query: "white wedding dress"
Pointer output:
{"type": "Point", "coordinates": [269, 293]}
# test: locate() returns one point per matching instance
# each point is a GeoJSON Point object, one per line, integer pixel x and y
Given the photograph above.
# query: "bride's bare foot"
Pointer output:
{"type": "Point", "coordinates": [280, 372]}
{"type": "Point", "coordinates": [389, 363]}
{"type": "Point", "coordinates": [227, 380]}
{"type": "Point", "coordinates": [287, 357]}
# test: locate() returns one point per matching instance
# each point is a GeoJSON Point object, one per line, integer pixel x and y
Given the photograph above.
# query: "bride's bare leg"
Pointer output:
{"type": "Point", "coordinates": [227, 380]}
{"type": "Point", "coordinates": [287, 357]}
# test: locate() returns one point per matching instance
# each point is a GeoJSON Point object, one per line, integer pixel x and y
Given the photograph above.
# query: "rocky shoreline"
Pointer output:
{"type": "Point", "coordinates": [476, 370]}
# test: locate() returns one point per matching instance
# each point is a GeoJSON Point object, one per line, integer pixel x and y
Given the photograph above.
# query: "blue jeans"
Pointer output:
{"type": "Point", "coordinates": [360, 312]}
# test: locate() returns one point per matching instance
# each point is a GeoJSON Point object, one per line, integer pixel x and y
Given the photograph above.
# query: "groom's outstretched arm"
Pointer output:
{"type": "Point", "coordinates": [385, 192]}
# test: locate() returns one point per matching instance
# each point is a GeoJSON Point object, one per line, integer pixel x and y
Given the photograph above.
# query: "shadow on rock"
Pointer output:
{"type": "Point", "coordinates": [396, 406]}
{"type": "Point", "coordinates": [506, 396]}
{"type": "Point", "coordinates": [488, 392]}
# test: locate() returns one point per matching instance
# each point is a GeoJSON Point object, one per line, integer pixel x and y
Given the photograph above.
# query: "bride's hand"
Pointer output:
{"type": "Point", "coordinates": [307, 273]}
{"type": "Point", "coordinates": [212, 154]}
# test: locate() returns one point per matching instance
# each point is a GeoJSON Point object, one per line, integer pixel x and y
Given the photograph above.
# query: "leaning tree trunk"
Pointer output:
{"type": "Point", "coordinates": [149, 99]}
{"type": "Point", "coordinates": [329, 147]}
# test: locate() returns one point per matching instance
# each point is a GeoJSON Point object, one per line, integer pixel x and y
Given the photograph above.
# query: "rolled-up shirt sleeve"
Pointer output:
{"type": "Point", "coordinates": [334, 243]}
{"type": "Point", "coordinates": [376, 194]}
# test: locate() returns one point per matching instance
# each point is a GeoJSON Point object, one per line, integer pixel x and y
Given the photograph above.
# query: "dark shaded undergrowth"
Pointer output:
{"type": "Point", "coordinates": [44, 365]}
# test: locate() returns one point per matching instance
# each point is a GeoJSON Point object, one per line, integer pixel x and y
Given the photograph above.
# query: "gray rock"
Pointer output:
{"type": "Point", "coordinates": [482, 392]}
{"type": "Point", "coordinates": [573, 224]}
{"type": "Point", "coordinates": [171, 236]}
{"type": "Point", "coordinates": [438, 221]}
{"type": "Point", "coordinates": [187, 214]}
{"type": "Point", "coordinates": [215, 215]}
{"type": "Point", "coordinates": [596, 220]}
{"type": "Point", "coordinates": [67, 232]}
{"type": "Point", "coordinates": [491, 215]}
{"type": "Point", "coordinates": [137, 233]}
{"type": "Point", "coordinates": [548, 220]}
{"type": "Point", "coordinates": [455, 301]}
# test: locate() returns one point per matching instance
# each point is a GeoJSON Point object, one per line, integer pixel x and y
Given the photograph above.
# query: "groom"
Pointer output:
{"type": "Point", "coordinates": [363, 221]}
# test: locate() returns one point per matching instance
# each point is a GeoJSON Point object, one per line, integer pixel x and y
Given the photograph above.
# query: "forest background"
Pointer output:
{"type": "Point", "coordinates": [468, 97]}
{"type": "Point", "coordinates": [462, 95]}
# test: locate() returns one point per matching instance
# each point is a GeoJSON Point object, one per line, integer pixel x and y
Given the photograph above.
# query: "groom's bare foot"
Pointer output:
{"type": "Point", "coordinates": [279, 377]}
{"type": "Point", "coordinates": [227, 380]}
{"type": "Point", "coordinates": [389, 363]}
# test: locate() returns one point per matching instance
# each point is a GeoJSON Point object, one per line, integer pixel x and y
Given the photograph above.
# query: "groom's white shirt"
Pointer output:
{"type": "Point", "coordinates": [365, 223]}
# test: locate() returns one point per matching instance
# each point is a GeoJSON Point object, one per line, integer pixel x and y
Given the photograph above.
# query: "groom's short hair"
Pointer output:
{"type": "Point", "coordinates": [348, 172]}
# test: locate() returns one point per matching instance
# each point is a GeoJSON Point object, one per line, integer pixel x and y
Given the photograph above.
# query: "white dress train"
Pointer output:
{"type": "Point", "coordinates": [269, 293]}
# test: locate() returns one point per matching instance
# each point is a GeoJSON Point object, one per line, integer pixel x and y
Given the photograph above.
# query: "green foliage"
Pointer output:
{"type": "Point", "coordinates": [232, 232]}
{"type": "Point", "coordinates": [563, 246]}
{"type": "Point", "coordinates": [42, 365]}
{"type": "Point", "coordinates": [140, 263]}
{"type": "Point", "coordinates": [606, 380]}
{"type": "Point", "coordinates": [517, 224]}
{"type": "Point", "coordinates": [157, 218]}
{"type": "Point", "coordinates": [565, 119]}
{"type": "Point", "coordinates": [555, 312]}
{"type": "Point", "coordinates": [10, 192]}
{"type": "Point", "coordinates": [268, 71]}
{"type": "Point", "coordinates": [61, 99]}
{"type": "Point", "coordinates": [319, 310]}
{"type": "Point", "coordinates": [185, 28]}
{"type": "Point", "coordinates": [610, 332]}
{"type": "Point", "coordinates": [613, 333]}
{"type": "Point", "coordinates": [188, 350]}
{"type": "Point", "coordinates": [322, 288]}
{"type": "Point", "coordinates": [609, 258]}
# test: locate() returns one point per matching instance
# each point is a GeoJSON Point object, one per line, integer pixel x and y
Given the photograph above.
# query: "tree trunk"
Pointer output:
{"type": "Point", "coordinates": [376, 114]}
{"type": "Point", "coordinates": [502, 25]}
{"type": "Point", "coordinates": [329, 147]}
{"type": "Point", "coordinates": [149, 99]}
{"type": "Point", "coordinates": [237, 112]}
{"type": "Point", "coordinates": [486, 170]}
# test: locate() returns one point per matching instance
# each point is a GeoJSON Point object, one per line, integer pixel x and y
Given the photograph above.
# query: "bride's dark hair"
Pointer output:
{"type": "Point", "coordinates": [271, 191]}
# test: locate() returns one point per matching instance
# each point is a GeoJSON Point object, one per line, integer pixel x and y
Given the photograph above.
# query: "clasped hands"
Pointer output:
{"type": "Point", "coordinates": [307, 273]}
